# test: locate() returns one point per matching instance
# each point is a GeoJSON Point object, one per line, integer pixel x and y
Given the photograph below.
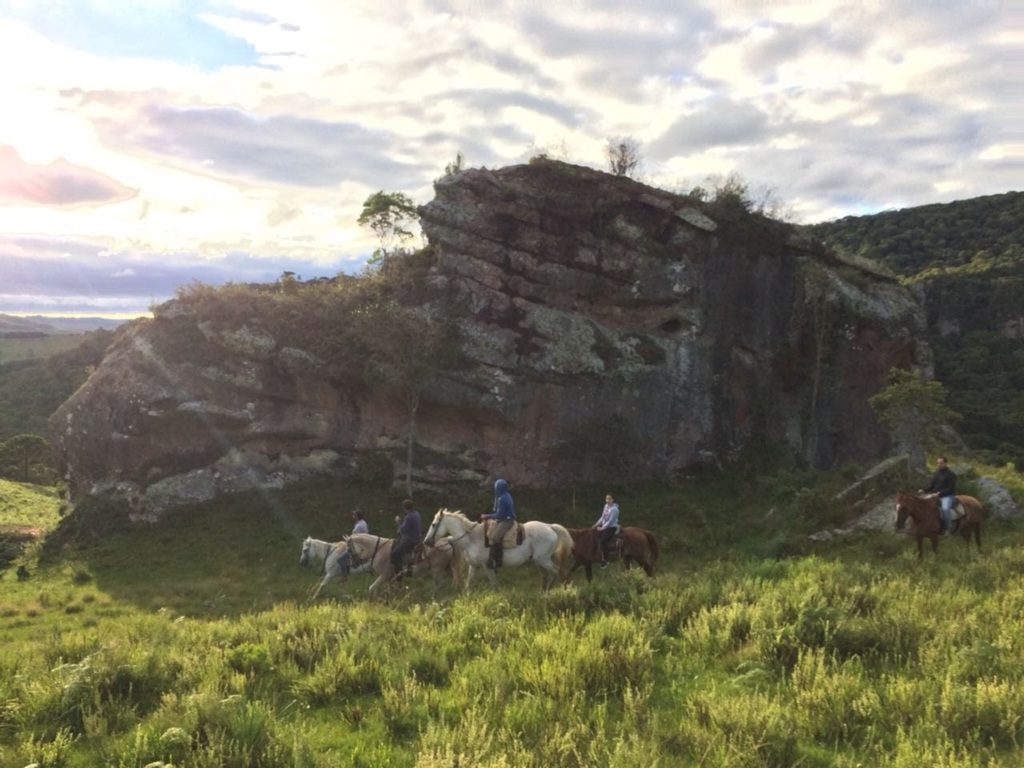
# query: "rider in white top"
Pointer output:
{"type": "Point", "coordinates": [360, 526]}
{"type": "Point", "coordinates": [607, 526]}
{"type": "Point", "coordinates": [344, 560]}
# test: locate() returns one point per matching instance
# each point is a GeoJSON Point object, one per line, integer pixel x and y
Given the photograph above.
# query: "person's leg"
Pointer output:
{"type": "Point", "coordinates": [343, 564]}
{"type": "Point", "coordinates": [602, 545]}
{"type": "Point", "coordinates": [397, 553]}
{"type": "Point", "coordinates": [946, 507]}
{"type": "Point", "coordinates": [497, 547]}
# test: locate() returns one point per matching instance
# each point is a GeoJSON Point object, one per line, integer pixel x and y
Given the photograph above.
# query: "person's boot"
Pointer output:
{"type": "Point", "coordinates": [494, 561]}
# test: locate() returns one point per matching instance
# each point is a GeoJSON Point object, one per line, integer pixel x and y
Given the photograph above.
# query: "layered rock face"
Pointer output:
{"type": "Point", "coordinates": [608, 330]}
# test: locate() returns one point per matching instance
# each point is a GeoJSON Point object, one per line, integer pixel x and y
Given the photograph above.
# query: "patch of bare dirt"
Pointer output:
{"type": "Point", "coordinates": [21, 534]}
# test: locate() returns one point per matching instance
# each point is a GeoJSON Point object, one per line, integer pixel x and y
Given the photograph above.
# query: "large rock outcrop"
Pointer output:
{"type": "Point", "coordinates": [607, 329]}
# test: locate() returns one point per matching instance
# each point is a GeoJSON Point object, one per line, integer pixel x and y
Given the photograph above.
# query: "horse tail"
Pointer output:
{"type": "Point", "coordinates": [562, 555]}
{"type": "Point", "coordinates": [455, 566]}
{"type": "Point", "coordinates": [652, 545]}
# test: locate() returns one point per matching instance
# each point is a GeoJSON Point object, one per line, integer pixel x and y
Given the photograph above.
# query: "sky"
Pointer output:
{"type": "Point", "coordinates": [149, 144]}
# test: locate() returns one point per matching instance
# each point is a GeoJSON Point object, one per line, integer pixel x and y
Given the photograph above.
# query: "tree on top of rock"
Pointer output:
{"type": "Point", "coordinates": [389, 215]}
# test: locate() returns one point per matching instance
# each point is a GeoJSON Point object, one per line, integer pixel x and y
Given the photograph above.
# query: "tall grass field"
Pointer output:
{"type": "Point", "coordinates": [192, 642]}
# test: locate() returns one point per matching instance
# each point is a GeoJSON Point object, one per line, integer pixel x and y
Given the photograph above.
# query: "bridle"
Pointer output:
{"type": "Point", "coordinates": [437, 522]}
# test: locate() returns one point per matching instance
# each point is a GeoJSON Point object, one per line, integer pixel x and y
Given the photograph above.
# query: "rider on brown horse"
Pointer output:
{"type": "Point", "coordinates": [607, 526]}
{"type": "Point", "coordinates": [943, 483]}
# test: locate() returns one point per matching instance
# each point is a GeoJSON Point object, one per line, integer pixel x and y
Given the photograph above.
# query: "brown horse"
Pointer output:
{"type": "Point", "coordinates": [634, 545]}
{"type": "Point", "coordinates": [923, 512]}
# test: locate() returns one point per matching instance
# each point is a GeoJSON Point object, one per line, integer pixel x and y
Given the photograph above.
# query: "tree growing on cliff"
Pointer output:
{"type": "Point", "coordinates": [915, 411]}
{"type": "Point", "coordinates": [623, 155]}
{"type": "Point", "coordinates": [406, 348]}
{"type": "Point", "coordinates": [389, 215]}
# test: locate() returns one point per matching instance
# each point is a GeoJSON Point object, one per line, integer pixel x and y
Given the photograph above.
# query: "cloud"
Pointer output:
{"type": "Point", "coordinates": [83, 275]}
{"type": "Point", "coordinates": [59, 183]}
{"type": "Point", "coordinates": [172, 141]}
{"type": "Point", "coordinates": [277, 148]}
{"type": "Point", "coordinates": [721, 122]}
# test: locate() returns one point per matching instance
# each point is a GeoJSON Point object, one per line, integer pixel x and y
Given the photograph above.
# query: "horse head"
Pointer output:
{"type": "Point", "coordinates": [436, 526]}
{"type": "Point", "coordinates": [306, 546]}
{"type": "Point", "coordinates": [902, 510]}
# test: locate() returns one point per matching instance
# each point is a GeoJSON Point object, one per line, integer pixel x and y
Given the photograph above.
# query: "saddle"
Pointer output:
{"type": "Point", "coordinates": [513, 538]}
{"type": "Point", "coordinates": [956, 512]}
{"type": "Point", "coordinates": [415, 555]}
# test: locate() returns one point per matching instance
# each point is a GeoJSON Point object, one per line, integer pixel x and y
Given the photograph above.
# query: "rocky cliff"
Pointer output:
{"type": "Point", "coordinates": [605, 329]}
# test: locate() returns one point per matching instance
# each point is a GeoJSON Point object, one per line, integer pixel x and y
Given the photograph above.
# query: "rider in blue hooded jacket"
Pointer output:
{"type": "Point", "coordinates": [505, 515]}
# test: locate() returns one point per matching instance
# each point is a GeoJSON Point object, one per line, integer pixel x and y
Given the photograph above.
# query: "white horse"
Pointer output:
{"type": "Point", "coordinates": [549, 545]}
{"type": "Point", "coordinates": [375, 552]}
{"type": "Point", "coordinates": [329, 552]}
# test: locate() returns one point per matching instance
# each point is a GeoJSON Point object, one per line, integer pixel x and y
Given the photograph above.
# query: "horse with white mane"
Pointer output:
{"type": "Point", "coordinates": [330, 552]}
{"type": "Point", "coordinates": [369, 552]}
{"type": "Point", "coordinates": [549, 545]}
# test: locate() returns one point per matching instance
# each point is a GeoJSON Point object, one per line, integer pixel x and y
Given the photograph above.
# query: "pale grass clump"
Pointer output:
{"type": "Point", "coordinates": [751, 730]}
{"type": "Point", "coordinates": [834, 702]}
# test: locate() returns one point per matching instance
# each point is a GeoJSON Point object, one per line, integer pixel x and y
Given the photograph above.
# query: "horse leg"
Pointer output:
{"type": "Point", "coordinates": [380, 581]}
{"type": "Point", "coordinates": [552, 577]}
{"type": "Point", "coordinates": [316, 592]}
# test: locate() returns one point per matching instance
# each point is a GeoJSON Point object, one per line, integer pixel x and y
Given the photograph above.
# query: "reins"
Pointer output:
{"type": "Point", "coordinates": [465, 533]}
{"type": "Point", "coordinates": [357, 560]}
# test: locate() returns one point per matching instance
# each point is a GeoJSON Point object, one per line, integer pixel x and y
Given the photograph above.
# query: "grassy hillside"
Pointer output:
{"type": "Point", "coordinates": [26, 511]}
{"type": "Point", "coordinates": [28, 506]}
{"type": "Point", "coordinates": [192, 642]}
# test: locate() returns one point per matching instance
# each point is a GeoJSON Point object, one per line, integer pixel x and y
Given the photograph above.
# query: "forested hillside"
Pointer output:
{"type": "Point", "coordinates": [31, 390]}
{"type": "Point", "coordinates": [969, 258]}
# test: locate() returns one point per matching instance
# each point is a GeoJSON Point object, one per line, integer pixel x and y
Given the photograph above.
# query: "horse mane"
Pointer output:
{"type": "Point", "coordinates": [456, 513]}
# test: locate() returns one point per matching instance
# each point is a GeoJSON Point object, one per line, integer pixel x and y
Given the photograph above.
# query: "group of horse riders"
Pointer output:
{"type": "Point", "coordinates": [942, 485]}
{"type": "Point", "coordinates": [409, 528]}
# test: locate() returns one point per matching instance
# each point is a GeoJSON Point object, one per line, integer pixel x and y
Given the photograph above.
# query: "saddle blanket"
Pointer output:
{"type": "Point", "coordinates": [957, 511]}
{"type": "Point", "coordinates": [513, 538]}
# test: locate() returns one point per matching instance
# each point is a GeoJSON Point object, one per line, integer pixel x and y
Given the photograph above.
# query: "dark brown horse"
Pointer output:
{"type": "Point", "coordinates": [923, 512]}
{"type": "Point", "coordinates": [634, 545]}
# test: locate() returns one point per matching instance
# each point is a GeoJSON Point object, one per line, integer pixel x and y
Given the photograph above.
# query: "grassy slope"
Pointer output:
{"type": "Point", "coordinates": [28, 506]}
{"type": "Point", "coordinates": [218, 583]}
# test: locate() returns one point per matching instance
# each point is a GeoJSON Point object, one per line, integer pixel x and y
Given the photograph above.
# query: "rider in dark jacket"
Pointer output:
{"type": "Point", "coordinates": [505, 515]}
{"type": "Point", "coordinates": [943, 483]}
{"type": "Point", "coordinates": [408, 535]}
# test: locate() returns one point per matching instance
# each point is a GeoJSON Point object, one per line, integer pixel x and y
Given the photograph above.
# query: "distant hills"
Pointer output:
{"type": "Point", "coordinates": [54, 325]}
{"type": "Point", "coordinates": [911, 241]}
